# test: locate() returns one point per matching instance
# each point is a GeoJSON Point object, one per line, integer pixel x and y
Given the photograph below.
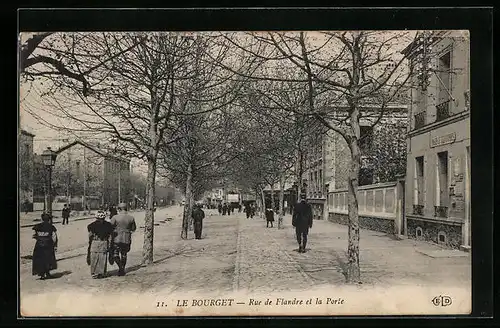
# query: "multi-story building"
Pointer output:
{"type": "Point", "coordinates": [437, 201]}
{"type": "Point", "coordinates": [87, 171]}
{"type": "Point", "coordinates": [26, 170]}
{"type": "Point", "coordinates": [328, 160]}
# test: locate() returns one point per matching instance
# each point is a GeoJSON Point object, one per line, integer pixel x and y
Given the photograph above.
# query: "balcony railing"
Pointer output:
{"type": "Point", "coordinates": [443, 111]}
{"type": "Point", "coordinates": [420, 120]}
{"type": "Point", "coordinates": [441, 211]}
{"type": "Point", "coordinates": [418, 209]}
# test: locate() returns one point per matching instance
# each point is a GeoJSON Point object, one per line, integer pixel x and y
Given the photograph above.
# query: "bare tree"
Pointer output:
{"type": "Point", "coordinates": [345, 73]}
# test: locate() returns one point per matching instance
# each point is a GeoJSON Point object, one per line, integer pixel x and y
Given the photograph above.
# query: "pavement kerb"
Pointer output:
{"type": "Point", "coordinates": [72, 219]}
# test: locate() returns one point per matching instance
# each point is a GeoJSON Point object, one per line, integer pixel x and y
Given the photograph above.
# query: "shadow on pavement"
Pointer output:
{"type": "Point", "coordinates": [57, 275]}
{"type": "Point", "coordinates": [71, 257]}
{"type": "Point", "coordinates": [342, 263]}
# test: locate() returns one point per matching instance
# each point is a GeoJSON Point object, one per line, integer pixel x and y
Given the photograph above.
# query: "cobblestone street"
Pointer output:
{"type": "Point", "coordinates": [237, 254]}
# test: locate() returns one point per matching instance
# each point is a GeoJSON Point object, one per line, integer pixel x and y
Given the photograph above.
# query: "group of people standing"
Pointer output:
{"type": "Point", "coordinates": [228, 208]}
{"type": "Point", "coordinates": [107, 241]}
{"type": "Point", "coordinates": [250, 210]}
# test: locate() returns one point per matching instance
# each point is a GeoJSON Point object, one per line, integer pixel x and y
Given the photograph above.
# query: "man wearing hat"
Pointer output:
{"type": "Point", "coordinates": [302, 220]}
{"type": "Point", "coordinates": [124, 225]}
{"type": "Point", "coordinates": [198, 215]}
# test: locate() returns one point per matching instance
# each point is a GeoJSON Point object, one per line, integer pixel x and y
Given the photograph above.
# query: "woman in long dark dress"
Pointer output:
{"type": "Point", "coordinates": [44, 256]}
{"type": "Point", "coordinates": [100, 236]}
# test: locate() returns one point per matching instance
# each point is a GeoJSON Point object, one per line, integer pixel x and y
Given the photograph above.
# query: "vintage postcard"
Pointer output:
{"type": "Point", "coordinates": [244, 173]}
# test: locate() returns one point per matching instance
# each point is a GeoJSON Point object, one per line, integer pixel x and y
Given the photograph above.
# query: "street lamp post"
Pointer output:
{"type": "Point", "coordinates": [49, 159]}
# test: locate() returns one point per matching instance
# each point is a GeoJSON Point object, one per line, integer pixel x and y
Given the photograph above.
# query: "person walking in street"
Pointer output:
{"type": "Point", "coordinates": [198, 216]}
{"type": "Point", "coordinates": [269, 217]}
{"type": "Point", "coordinates": [302, 220]}
{"type": "Point", "coordinates": [219, 207]}
{"type": "Point", "coordinates": [100, 238]}
{"type": "Point", "coordinates": [112, 211]}
{"type": "Point", "coordinates": [44, 253]}
{"type": "Point", "coordinates": [224, 209]}
{"type": "Point", "coordinates": [248, 210]}
{"type": "Point", "coordinates": [252, 211]}
{"type": "Point", "coordinates": [124, 225]}
{"type": "Point", "coordinates": [65, 214]}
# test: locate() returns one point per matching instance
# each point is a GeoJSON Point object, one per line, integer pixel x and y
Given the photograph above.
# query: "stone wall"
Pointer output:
{"type": "Point", "coordinates": [431, 231]}
{"type": "Point", "coordinates": [365, 222]}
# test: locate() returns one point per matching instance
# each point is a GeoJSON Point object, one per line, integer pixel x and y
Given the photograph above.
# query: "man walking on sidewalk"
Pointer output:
{"type": "Point", "coordinates": [302, 220]}
{"type": "Point", "coordinates": [65, 214]}
{"type": "Point", "coordinates": [198, 216]}
{"type": "Point", "coordinates": [124, 226]}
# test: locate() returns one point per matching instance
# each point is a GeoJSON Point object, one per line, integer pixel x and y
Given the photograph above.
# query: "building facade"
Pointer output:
{"type": "Point", "coordinates": [437, 192]}
{"type": "Point", "coordinates": [383, 157]}
{"type": "Point", "coordinates": [86, 175]}
{"type": "Point", "coordinates": [26, 170]}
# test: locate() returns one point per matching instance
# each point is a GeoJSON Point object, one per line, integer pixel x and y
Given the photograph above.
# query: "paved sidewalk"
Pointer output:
{"type": "Point", "coordinates": [262, 264]}
{"type": "Point", "coordinates": [33, 218]}
{"type": "Point", "coordinates": [383, 259]}
{"type": "Point", "coordinates": [239, 254]}
{"type": "Point", "coordinates": [206, 264]}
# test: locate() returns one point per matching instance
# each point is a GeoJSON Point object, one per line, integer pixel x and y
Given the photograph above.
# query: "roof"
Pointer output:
{"type": "Point", "coordinates": [26, 133]}
{"type": "Point", "coordinates": [408, 51]}
{"type": "Point", "coordinates": [95, 149]}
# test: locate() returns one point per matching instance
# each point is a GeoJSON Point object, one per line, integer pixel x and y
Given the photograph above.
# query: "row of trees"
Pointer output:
{"type": "Point", "coordinates": [207, 107]}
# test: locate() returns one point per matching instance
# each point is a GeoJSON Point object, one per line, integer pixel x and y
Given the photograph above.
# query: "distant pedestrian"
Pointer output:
{"type": "Point", "coordinates": [44, 253]}
{"type": "Point", "coordinates": [269, 217]}
{"type": "Point", "coordinates": [112, 211]}
{"type": "Point", "coordinates": [198, 216]}
{"type": "Point", "coordinates": [26, 206]}
{"type": "Point", "coordinates": [124, 225]}
{"type": "Point", "coordinates": [248, 211]}
{"type": "Point", "coordinates": [219, 208]}
{"type": "Point", "coordinates": [252, 211]}
{"type": "Point", "coordinates": [65, 214]}
{"type": "Point", "coordinates": [100, 239]}
{"type": "Point", "coordinates": [302, 220]}
{"type": "Point", "coordinates": [224, 209]}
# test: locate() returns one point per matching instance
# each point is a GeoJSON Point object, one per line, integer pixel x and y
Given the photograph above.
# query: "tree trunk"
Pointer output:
{"type": "Point", "coordinates": [353, 270]}
{"type": "Point", "coordinates": [282, 196]}
{"type": "Point", "coordinates": [187, 206]}
{"type": "Point", "coordinates": [300, 174]}
{"type": "Point", "coordinates": [190, 208]}
{"type": "Point", "coordinates": [263, 208]}
{"type": "Point", "coordinates": [272, 197]}
{"type": "Point", "coordinates": [147, 250]}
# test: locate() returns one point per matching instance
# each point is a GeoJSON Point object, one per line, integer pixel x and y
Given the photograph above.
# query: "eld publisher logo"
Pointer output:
{"type": "Point", "coordinates": [441, 300]}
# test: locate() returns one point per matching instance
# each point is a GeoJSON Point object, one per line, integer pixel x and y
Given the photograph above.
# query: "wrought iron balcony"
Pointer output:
{"type": "Point", "coordinates": [420, 120]}
{"type": "Point", "coordinates": [418, 209]}
{"type": "Point", "coordinates": [441, 211]}
{"type": "Point", "coordinates": [443, 111]}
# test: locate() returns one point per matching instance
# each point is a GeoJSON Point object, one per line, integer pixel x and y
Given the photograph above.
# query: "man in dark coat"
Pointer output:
{"type": "Point", "coordinates": [65, 214]}
{"type": "Point", "coordinates": [269, 217]}
{"type": "Point", "coordinates": [124, 225]}
{"type": "Point", "coordinates": [198, 216]}
{"type": "Point", "coordinates": [248, 210]}
{"type": "Point", "coordinates": [112, 211]}
{"type": "Point", "coordinates": [302, 220]}
{"type": "Point", "coordinates": [219, 207]}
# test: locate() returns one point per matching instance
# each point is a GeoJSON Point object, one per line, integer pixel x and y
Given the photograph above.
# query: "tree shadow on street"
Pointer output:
{"type": "Point", "coordinates": [342, 263]}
